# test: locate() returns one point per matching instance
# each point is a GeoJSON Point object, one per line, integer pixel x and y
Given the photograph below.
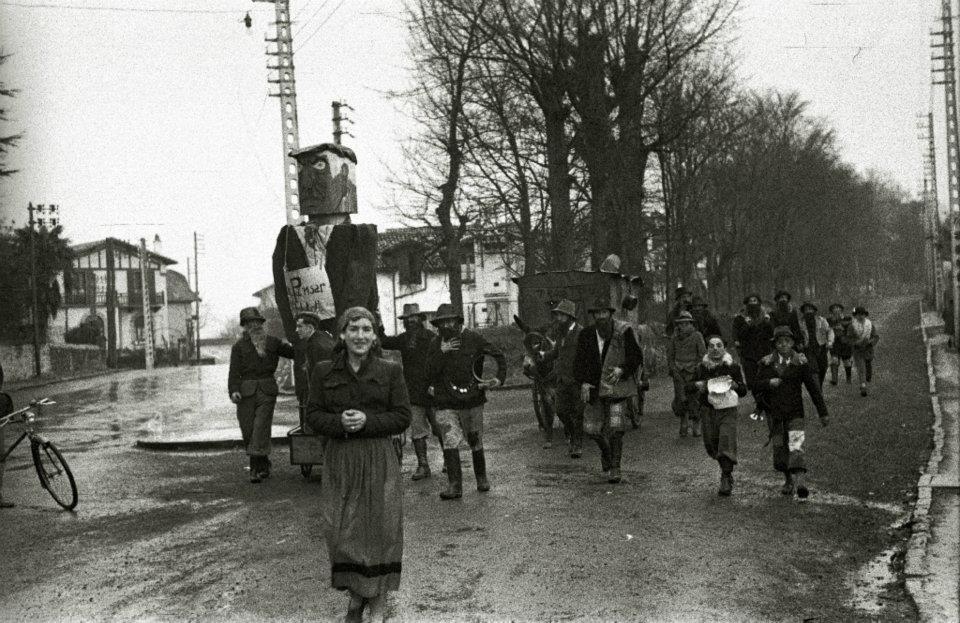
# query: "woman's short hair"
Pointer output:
{"type": "Point", "coordinates": [352, 315]}
{"type": "Point", "coordinates": [718, 337]}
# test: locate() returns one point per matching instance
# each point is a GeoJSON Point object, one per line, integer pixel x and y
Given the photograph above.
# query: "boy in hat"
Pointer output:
{"type": "Point", "coordinates": [458, 396]}
{"type": "Point", "coordinates": [607, 358]}
{"type": "Point", "coordinates": [840, 351]}
{"type": "Point", "coordinates": [563, 355]}
{"type": "Point", "coordinates": [781, 377]}
{"type": "Point", "coordinates": [753, 335]}
{"type": "Point", "coordinates": [862, 336]}
{"type": "Point", "coordinates": [253, 388]}
{"type": "Point", "coordinates": [415, 345]}
{"type": "Point", "coordinates": [705, 322]}
{"type": "Point", "coordinates": [683, 302]}
{"type": "Point", "coordinates": [819, 338]}
{"type": "Point", "coordinates": [719, 408]}
{"type": "Point", "coordinates": [684, 352]}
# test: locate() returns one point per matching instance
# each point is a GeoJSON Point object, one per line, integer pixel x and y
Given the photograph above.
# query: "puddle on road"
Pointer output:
{"type": "Point", "coordinates": [871, 582]}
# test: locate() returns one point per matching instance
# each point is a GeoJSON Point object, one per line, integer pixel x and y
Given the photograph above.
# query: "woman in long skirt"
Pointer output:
{"type": "Point", "coordinates": [358, 401]}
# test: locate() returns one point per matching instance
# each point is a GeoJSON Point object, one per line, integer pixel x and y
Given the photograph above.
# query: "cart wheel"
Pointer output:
{"type": "Point", "coordinates": [306, 470]}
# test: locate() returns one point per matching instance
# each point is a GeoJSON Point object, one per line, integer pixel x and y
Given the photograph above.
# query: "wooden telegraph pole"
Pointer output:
{"type": "Point", "coordinates": [35, 315]}
{"type": "Point", "coordinates": [147, 311]}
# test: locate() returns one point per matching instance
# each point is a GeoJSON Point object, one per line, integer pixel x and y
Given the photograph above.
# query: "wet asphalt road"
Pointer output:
{"type": "Point", "coordinates": [184, 536]}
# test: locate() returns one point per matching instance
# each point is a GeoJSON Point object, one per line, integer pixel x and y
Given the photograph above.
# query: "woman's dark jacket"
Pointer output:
{"type": "Point", "coordinates": [786, 401]}
{"type": "Point", "coordinates": [377, 389]}
{"type": "Point", "coordinates": [454, 369]}
{"type": "Point", "coordinates": [415, 347]}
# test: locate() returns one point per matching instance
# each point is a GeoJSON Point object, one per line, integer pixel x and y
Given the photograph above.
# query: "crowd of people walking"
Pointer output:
{"type": "Point", "coordinates": [590, 376]}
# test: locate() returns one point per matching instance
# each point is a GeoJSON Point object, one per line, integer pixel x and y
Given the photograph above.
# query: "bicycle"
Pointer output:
{"type": "Point", "coordinates": [52, 469]}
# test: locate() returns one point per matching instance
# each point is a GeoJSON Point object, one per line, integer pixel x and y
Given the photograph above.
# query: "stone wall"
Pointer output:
{"type": "Point", "coordinates": [72, 359]}
{"type": "Point", "coordinates": [17, 361]}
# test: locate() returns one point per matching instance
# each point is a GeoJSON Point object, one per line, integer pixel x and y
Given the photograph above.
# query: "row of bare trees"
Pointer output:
{"type": "Point", "coordinates": [577, 128]}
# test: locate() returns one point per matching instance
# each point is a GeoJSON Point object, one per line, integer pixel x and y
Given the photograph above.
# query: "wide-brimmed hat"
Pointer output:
{"type": "Point", "coordinates": [250, 313]}
{"type": "Point", "coordinates": [808, 304]}
{"type": "Point", "coordinates": [446, 311]}
{"type": "Point", "coordinates": [858, 310]}
{"type": "Point", "coordinates": [683, 316]}
{"type": "Point", "coordinates": [747, 298]}
{"type": "Point", "coordinates": [411, 309]}
{"type": "Point", "coordinates": [834, 306]}
{"type": "Point", "coordinates": [601, 302]}
{"type": "Point", "coordinates": [680, 292]}
{"type": "Point", "coordinates": [783, 293]}
{"type": "Point", "coordinates": [783, 331]}
{"type": "Point", "coordinates": [566, 306]}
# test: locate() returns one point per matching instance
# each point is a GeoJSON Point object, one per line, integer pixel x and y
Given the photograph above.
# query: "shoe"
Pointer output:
{"type": "Point", "coordinates": [695, 429]}
{"type": "Point", "coordinates": [255, 477]}
{"type": "Point", "coordinates": [422, 471]}
{"type": "Point", "coordinates": [613, 476]}
{"type": "Point", "coordinates": [863, 390]}
{"type": "Point", "coordinates": [454, 490]}
{"type": "Point", "coordinates": [787, 488]}
{"type": "Point", "coordinates": [726, 485]}
{"type": "Point", "coordinates": [576, 453]}
{"type": "Point", "coordinates": [264, 475]}
{"type": "Point", "coordinates": [802, 493]}
{"type": "Point", "coordinates": [480, 470]}
{"type": "Point", "coordinates": [423, 465]}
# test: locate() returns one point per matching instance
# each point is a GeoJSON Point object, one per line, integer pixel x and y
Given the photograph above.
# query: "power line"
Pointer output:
{"type": "Point", "coordinates": [115, 8]}
{"type": "Point", "coordinates": [310, 36]}
{"type": "Point", "coordinates": [310, 19]}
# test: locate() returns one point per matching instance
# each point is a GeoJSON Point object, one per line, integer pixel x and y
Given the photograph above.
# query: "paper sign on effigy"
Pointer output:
{"type": "Point", "coordinates": [308, 290]}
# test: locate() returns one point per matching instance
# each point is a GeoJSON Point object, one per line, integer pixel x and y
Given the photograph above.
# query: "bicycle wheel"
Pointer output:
{"type": "Point", "coordinates": [54, 473]}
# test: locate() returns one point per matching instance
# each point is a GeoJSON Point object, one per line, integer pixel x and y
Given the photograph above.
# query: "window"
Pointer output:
{"type": "Point", "coordinates": [468, 264]}
{"type": "Point", "coordinates": [79, 286]}
{"type": "Point", "coordinates": [410, 267]}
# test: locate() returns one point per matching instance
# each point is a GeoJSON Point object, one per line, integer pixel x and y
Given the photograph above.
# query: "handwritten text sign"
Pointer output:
{"type": "Point", "coordinates": [309, 291]}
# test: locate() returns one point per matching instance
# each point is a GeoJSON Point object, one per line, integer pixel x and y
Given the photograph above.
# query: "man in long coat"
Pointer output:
{"type": "Point", "coordinates": [415, 345]}
{"type": "Point", "coordinates": [253, 387]}
{"type": "Point", "coordinates": [607, 358]}
{"type": "Point", "coordinates": [563, 355]}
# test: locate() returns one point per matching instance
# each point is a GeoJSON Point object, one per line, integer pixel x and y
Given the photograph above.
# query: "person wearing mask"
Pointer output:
{"type": "Point", "coordinates": [458, 396]}
{"type": "Point", "coordinates": [705, 322]}
{"type": "Point", "coordinates": [819, 338]}
{"type": "Point", "coordinates": [683, 302]}
{"type": "Point", "coordinates": [414, 345]}
{"type": "Point", "coordinates": [753, 335]}
{"type": "Point", "coordinates": [563, 356]}
{"type": "Point", "coordinates": [785, 315]}
{"type": "Point", "coordinates": [782, 375]}
{"type": "Point", "coordinates": [685, 351]}
{"type": "Point", "coordinates": [862, 336]}
{"type": "Point", "coordinates": [720, 386]}
{"type": "Point", "coordinates": [359, 402]}
{"type": "Point", "coordinates": [840, 351]}
{"type": "Point", "coordinates": [606, 361]}
{"type": "Point", "coordinates": [253, 387]}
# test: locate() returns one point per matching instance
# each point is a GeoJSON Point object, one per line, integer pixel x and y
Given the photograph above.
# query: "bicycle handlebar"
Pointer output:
{"type": "Point", "coordinates": [40, 402]}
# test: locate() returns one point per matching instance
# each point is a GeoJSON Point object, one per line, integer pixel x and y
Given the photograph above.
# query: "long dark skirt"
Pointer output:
{"type": "Point", "coordinates": [362, 510]}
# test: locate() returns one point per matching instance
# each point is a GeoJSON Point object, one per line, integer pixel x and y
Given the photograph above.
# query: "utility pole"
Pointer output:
{"type": "Point", "coordinates": [147, 312]}
{"type": "Point", "coordinates": [287, 92]}
{"type": "Point", "coordinates": [931, 208]}
{"type": "Point", "coordinates": [33, 288]}
{"type": "Point", "coordinates": [949, 82]}
{"type": "Point", "coordinates": [338, 118]}
{"type": "Point", "coordinates": [196, 290]}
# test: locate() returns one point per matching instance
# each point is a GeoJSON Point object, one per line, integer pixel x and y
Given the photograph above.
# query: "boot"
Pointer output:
{"type": "Point", "coordinates": [616, 451]}
{"type": "Point", "coordinates": [605, 461]}
{"type": "Point", "coordinates": [695, 427]}
{"type": "Point", "coordinates": [787, 488]}
{"type": "Point", "coordinates": [423, 466]}
{"type": "Point", "coordinates": [454, 490]}
{"type": "Point", "coordinates": [726, 484]}
{"type": "Point", "coordinates": [802, 492]}
{"type": "Point", "coordinates": [265, 467]}
{"type": "Point", "coordinates": [848, 370]}
{"type": "Point", "coordinates": [834, 368]}
{"type": "Point", "coordinates": [683, 425]}
{"type": "Point", "coordinates": [863, 389]}
{"type": "Point", "coordinates": [255, 469]}
{"type": "Point", "coordinates": [480, 470]}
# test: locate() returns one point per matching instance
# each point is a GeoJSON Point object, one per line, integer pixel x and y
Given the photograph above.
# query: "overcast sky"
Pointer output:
{"type": "Point", "coordinates": [146, 122]}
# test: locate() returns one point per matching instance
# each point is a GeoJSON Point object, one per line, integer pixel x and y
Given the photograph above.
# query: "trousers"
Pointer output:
{"type": "Point", "coordinates": [255, 415]}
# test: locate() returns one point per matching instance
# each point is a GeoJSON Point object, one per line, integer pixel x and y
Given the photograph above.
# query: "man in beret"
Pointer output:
{"type": "Point", "coordinates": [781, 377]}
{"type": "Point", "coordinates": [253, 387]}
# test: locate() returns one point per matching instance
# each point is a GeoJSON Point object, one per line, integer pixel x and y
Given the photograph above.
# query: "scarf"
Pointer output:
{"type": "Point", "coordinates": [710, 364]}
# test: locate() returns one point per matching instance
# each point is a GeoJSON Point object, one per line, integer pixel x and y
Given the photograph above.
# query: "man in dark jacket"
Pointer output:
{"type": "Point", "coordinates": [313, 346]}
{"type": "Point", "coordinates": [253, 388]}
{"type": "Point", "coordinates": [785, 315]}
{"type": "Point", "coordinates": [683, 302]}
{"type": "Point", "coordinates": [607, 358]}
{"type": "Point", "coordinates": [459, 394]}
{"type": "Point", "coordinates": [414, 345]}
{"type": "Point", "coordinates": [705, 322]}
{"type": "Point", "coordinates": [781, 377]}
{"type": "Point", "coordinates": [563, 355]}
{"type": "Point", "coordinates": [753, 335]}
